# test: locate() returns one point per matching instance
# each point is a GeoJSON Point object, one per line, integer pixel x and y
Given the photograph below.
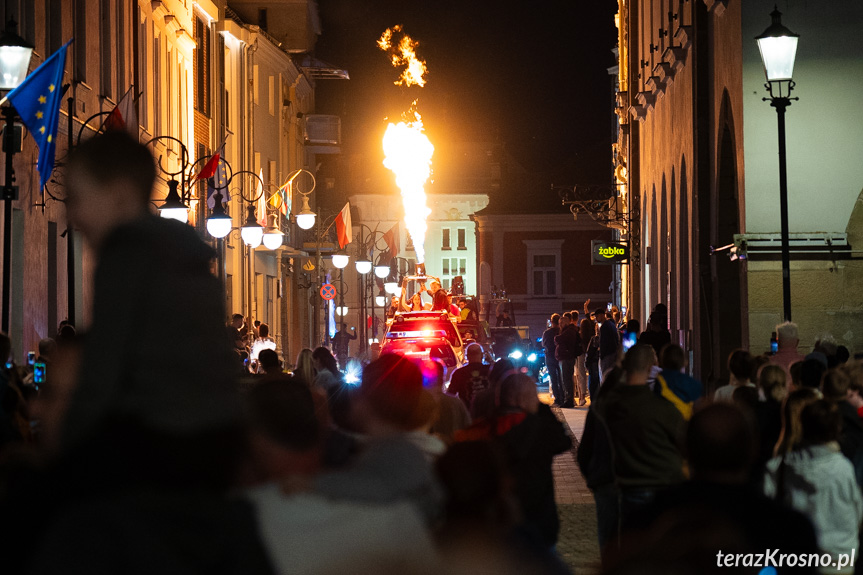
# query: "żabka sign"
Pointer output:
{"type": "Point", "coordinates": [609, 252]}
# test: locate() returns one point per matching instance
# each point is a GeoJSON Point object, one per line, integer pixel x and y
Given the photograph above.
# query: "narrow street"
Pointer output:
{"type": "Point", "coordinates": [577, 542]}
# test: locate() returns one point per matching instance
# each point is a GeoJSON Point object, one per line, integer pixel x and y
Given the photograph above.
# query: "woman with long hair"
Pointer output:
{"type": "Point", "coordinates": [329, 377]}
{"type": "Point", "coordinates": [305, 367]}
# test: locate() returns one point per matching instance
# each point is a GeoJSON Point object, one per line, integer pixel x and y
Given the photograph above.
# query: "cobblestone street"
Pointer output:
{"type": "Point", "coordinates": [577, 542]}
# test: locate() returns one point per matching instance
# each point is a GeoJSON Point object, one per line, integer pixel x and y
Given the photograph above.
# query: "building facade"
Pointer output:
{"type": "Point", "coordinates": [201, 76]}
{"type": "Point", "coordinates": [690, 118]}
{"type": "Point", "coordinates": [679, 169]}
{"type": "Point", "coordinates": [543, 263]}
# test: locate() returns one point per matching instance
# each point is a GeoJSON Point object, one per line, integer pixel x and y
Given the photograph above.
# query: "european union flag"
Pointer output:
{"type": "Point", "coordinates": [37, 101]}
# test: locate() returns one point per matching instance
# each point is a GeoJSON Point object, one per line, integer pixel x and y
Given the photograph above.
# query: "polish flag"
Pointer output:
{"type": "Point", "coordinates": [343, 225]}
{"type": "Point", "coordinates": [123, 116]}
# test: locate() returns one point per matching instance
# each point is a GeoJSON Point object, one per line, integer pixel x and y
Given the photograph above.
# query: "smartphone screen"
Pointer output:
{"type": "Point", "coordinates": [31, 357]}
{"type": "Point", "coordinates": [774, 346]}
{"type": "Point", "coordinates": [38, 372]}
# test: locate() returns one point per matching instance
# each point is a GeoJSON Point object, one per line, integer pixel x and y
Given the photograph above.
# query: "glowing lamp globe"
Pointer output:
{"type": "Point", "coordinates": [340, 260]}
{"type": "Point", "coordinates": [381, 300]}
{"type": "Point", "coordinates": [382, 271]}
{"type": "Point", "coordinates": [219, 225]}
{"type": "Point", "coordinates": [364, 266]}
{"type": "Point", "coordinates": [273, 238]}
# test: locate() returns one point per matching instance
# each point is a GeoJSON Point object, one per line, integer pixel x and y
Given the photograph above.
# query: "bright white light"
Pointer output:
{"type": "Point", "coordinates": [219, 227]}
{"type": "Point", "coordinates": [273, 239]}
{"type": "Point", "coordinates": [531, 358]}
{"type": "Point", "coordinates": [306, 221]}
{"type": "Point", "coordinates": [340, 260]}
{"type": "Point", "coordinates": [381, 300]}
{"type": "Point", "coordinates": [382, 271]}
{"type": "Point", "coordinates": [391, 288]}
{"type": "Point", "coordinates": [364, 266]}
{"type": "Point", "coordinates": [179, 214]}
{"type": "Point", "coordinates": [777, 55]}
{"type": "Point", "coordinates": [252, 235]}
{"type": "Point", "coordinates": [342, 310]}
{"type": "Point", "coordinates": [14, 62]}
{"type": "Point", "coordinates": [516, 355]}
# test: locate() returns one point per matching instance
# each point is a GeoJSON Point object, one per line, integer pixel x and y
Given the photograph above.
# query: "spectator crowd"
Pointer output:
{"type": "Point", "coordinates": [126, 456]}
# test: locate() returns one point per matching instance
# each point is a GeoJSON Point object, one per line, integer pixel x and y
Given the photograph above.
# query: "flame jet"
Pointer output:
{"type": "Point", "coordinates": [407, 150]}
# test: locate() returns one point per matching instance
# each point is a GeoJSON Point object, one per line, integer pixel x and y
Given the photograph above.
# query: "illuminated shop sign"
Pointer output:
{"type": "Point", "coordinates": [609, 252]}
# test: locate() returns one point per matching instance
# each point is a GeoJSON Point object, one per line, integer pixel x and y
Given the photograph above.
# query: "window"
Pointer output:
{"type": "Point", "coordinates": [271, 87]}
{"type": "Point", "coordinates": [544, 275]}
{"type": "Point", "coordinates": [202, 67]}
{"type": "Point", "coordinates": [143, 72]}
{"type": "Point", "coordinates": [450, 268]}
{"type": "Point", "coordinates": [105, 43]}
{"type": "Point", "coordinates": [462, 233]}
{"type": "Point", "coordinates": [157, 86]}
{"type": "Point", "coordinates": [445, 243]}
{"type": "Point", "coordinates": [80, 45]}
{"type": "Point", "coordinates": [543, 267]}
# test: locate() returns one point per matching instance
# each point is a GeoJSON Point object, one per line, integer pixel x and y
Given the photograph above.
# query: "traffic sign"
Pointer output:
{"type": "Point", "coordinates": [328, 291]}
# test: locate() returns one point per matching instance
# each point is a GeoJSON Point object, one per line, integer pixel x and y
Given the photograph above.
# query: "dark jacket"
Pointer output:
{"type": "Point", "coordinates": [568, 344]}
{"type": "Point", "coordinates": [646, 434]}
{"type": "Point", "coordinates": [609, 339]}
{"type": "Point", "coordinates": [548, 340]}
{"type": "Point", "coordinates": [530, 447]}
{"type": "Point", "coordinates": [851, 438]}
{"type": "Point", "coordinates": [154, 274]}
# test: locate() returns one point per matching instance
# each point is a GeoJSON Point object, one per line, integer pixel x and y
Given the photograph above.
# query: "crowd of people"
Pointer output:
{"type": "Point", "coordinates": [771, 461]}
{"type": "Point", "coordinates": [136, 457]}
{"type": "Point", "coordinates": [132, 457]}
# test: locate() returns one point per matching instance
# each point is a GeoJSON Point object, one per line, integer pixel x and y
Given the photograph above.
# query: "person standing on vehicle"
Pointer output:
{"type": "Point", "coordinates": [568, 349]}
{"type": "Point", "coordinates": [341, 343]}
{"type": "Point", "coordinates": [551, 362]}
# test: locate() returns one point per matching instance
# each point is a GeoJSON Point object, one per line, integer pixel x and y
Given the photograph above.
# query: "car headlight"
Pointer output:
{"type": "Point", "coordinates": [516, 355]}
{"type": "Point", "coordinates": [531, 357]}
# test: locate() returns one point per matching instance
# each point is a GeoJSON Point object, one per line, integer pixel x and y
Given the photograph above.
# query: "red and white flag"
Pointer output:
{"type": "Point", "coordinates": [123, 116]}
{"type": "Point", "coordinates": [343, 226]}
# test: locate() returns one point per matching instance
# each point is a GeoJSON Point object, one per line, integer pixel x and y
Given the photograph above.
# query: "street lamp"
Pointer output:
{"type": "Point", "coordinates": [219, 223]}
{"type": "Point", "coordinates": [382, 271]}
{"type": "Point", "coordinates": [274, 237]}
{"type": "Point", "coordinates": [252, 232]}
{"type": "Point", "coordinates": [778, 47]}
{"type": "Point", "coordinates": [342, 310]}
{"type": "Point", "coordinates": [174, 208]}
{"type": "Point", "coordinates": [364, 266]}
{"type": "Point", "coordinates": [15, 55]}
{"type": "Point", "coordinates": [381, 300]}
{"type": "Point", "coordinates": [340, 260]}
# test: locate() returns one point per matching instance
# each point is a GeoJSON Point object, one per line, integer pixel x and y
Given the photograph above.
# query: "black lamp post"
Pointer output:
{"type": "Point", "coordinates": [15, 55]}
{"type": "Point", "coordinates": [778, 47]}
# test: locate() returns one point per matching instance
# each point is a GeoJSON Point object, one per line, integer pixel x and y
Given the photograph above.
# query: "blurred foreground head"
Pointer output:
{"type": "Point", "coordinates": [109, 179]}
{"type": "Point", "coordinates": [392, 395]}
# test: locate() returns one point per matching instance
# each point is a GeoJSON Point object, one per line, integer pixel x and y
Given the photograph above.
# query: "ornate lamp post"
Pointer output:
{"type": "Point", "coordinates": [778, 47]}
{"type": "Point", "coordinates": [15, 55]}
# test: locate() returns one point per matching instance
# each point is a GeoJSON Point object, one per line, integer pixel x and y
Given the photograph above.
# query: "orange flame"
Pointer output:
{"type": "Point", "coordinates": [402, 53]}
{"type": "Point", "coordinates": [408, 152]}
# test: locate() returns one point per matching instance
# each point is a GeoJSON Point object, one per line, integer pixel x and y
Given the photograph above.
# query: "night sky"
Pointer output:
{"type": "Point", "coordinates": [530, 76]}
